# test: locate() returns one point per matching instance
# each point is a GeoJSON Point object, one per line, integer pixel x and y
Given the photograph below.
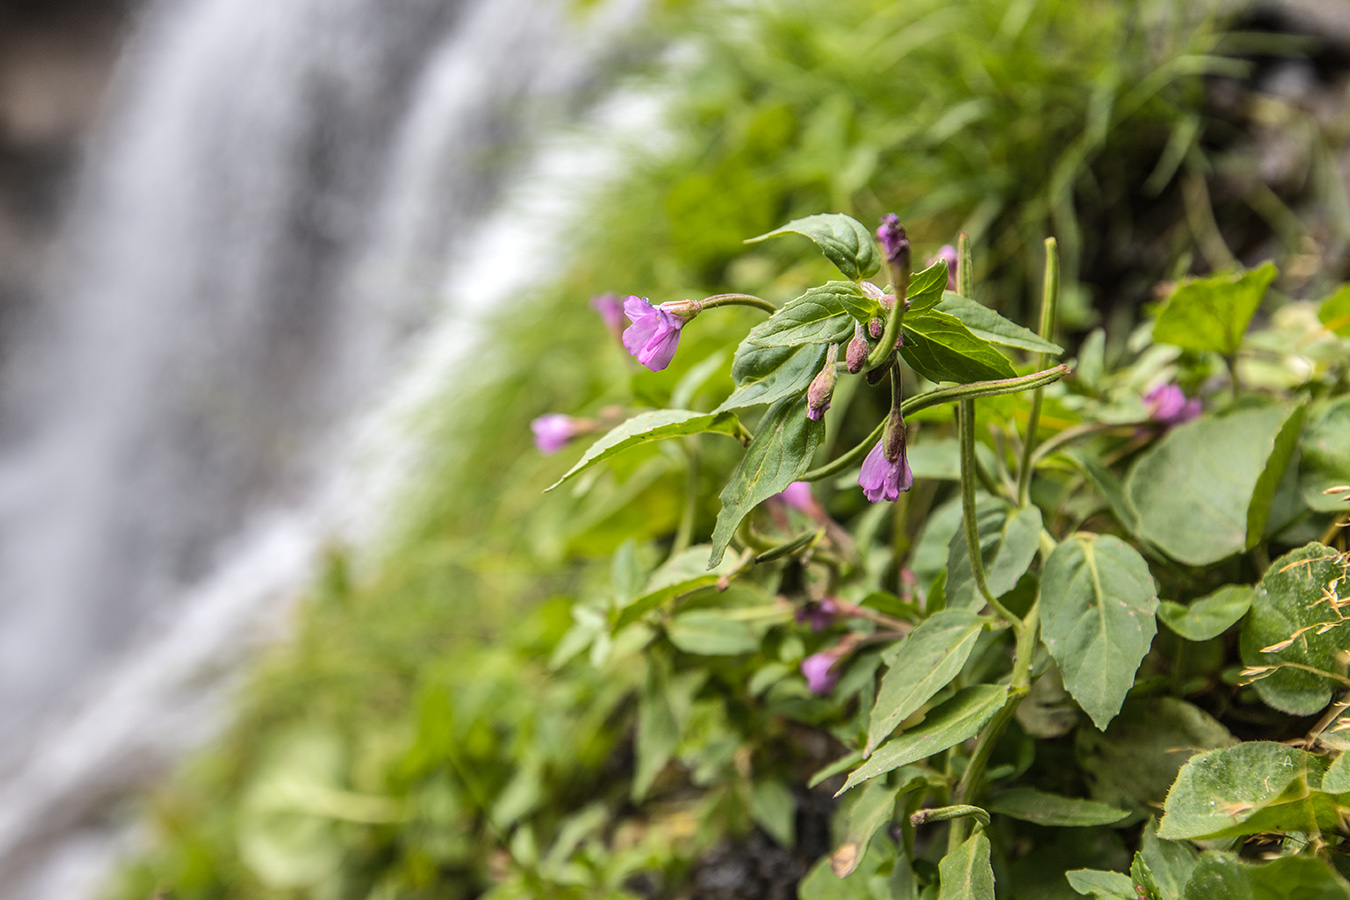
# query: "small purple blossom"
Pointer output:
{"type": "Point", "coordinates": [858, 349]}
{"type": "Point", "coordinates": [819, 671]}
{"type": "Point", "coordinates": [654, 334]}
{"type": "Point", "coordinates": [1168, 405]}
{"type": "Point", "coordinates": [820, 614]}
{"type": "Point", "coordinates": [947, 253]}
{"type": "Point", "coordinates": [882, 479]}
{"type": "Point", "coordinates": [610, 310]}
{"type": "Point", "coordinates": [553, 431]}
{"type": "Point", "coordinates": [798, 496]}
{"type": "Point", "coordinates": [891, 236]}
{"type": "Point", "coordinates": [820, 391]}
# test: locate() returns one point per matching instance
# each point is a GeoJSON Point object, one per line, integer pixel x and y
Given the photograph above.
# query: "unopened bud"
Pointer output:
{"type": "Point", "coordinates": [822, 386]}
{"type": "Point", "coordinates": [858, 348]}
{"type": "Point", "coordinates": [876, 328]}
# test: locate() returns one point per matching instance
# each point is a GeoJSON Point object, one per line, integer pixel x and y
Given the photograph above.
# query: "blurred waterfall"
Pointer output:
{"type": "Point", "coordinates": [269, 218]}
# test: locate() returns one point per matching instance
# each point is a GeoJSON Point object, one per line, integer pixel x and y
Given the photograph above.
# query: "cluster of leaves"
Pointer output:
{"type": "Point", "coordinates": [1016, 624]}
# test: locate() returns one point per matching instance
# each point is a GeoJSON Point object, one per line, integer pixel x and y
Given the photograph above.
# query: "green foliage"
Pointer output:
{"type": "Point", "coordinates": [844, 240]}
{"type": "Point", "coordinates": [1213, 313]}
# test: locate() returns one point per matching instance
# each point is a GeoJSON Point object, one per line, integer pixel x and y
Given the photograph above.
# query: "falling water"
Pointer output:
{"type": "Point", "coordinates": [269, 224]}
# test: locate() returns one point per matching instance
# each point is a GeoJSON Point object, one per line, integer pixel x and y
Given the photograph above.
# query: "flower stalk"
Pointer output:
{"type": "Point", "coordinates": [1049, 305]}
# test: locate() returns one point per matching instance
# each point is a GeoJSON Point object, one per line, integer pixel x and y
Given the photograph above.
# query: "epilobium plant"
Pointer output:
{"type": "Point", "coordinates": [977, 648]}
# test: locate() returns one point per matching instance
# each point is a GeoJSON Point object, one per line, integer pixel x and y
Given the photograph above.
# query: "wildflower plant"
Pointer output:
{"type": "Point", "coordinates": [957, 582]}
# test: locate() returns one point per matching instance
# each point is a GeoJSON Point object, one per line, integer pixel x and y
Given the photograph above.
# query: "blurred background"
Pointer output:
{"type": "Point", "coordinates": [243, 245]}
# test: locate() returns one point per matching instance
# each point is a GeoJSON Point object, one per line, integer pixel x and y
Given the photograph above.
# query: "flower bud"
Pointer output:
{"type": "Point", "coordinates": [858, 348]}
{"type": "Point", "coordinates": [876, 328]}
{"type": "Point", "coordinates": [822, 386]}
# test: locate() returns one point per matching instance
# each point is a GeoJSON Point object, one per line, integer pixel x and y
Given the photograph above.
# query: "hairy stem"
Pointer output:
{"type": "Point", "coordinates": [1049, 303]}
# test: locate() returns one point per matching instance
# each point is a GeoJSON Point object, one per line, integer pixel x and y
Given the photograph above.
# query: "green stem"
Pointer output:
{"type": "Point", "coordinates": [936, 398]}
{"type": "Point", "coordinates": [737, 300]}
{"type": "Point", "coordinates": [965, 428]}
{"type": "Point", "coordinates": [965, 267]}
{"type": "Point", "coordinates": [886, 346]}
{"type": "Point", "coordinates": [1049, 303]}
{"type": "Point", "coordinates": [1076, 432]}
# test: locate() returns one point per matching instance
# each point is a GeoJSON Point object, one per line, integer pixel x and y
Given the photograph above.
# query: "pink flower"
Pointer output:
{"type": "Point", "coordinates": [947, 252]}
{"type": "Point", "coordinates": [610, 310]}
{"type": "Point", "coordinates": [1167, 405]}
{"type": "Point", "coordinates": [883, 479]}
{"type": "Point", "coordinates": [819, 615]}
{"type": "Point", "coordinates": [654, 334]}
{"type": "Point", "coordinates": [553, 431]}
{"type": "Point", "coordinates": [798, 496]}
{"type": "Point", "coordinates": [891, 236]}
{"type": "Point", "coordinates": [819, 671]}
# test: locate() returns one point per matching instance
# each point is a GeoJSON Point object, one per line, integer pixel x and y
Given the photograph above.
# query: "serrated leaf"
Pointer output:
{"type": "Point", "coordinates": [947, 725]}
{"type": "Point", "coordinates": [1325, 462]}
{"type": "Point", "coordinates": [1334, 312]}
{"type": "Point", "coordinates": [1038, 807]}
{"type": "Point", "coordinates": [1210, 616]}
{"type": "Point", "coordinates": [1292, 625]}
{"type": "Point", "coordinates": [926, 288]}
{"type": "Point", "coordinates": [1008, 544]}
{"type": "Point", "coordinates": [1213, 313]}
{"type": "Point", "coordinates": [820, 316]}
{"type": "Point", "coordinates": [985, 323]}
{"type": "Point", "coordinates": [1221, 876]}
{"type": "Point", "coordinates": [844, 240]}
{"type": "Point", "coordinates": [780, 454]}
{"type": "Point", "coordinates": [940, 348]}
{"type": "Point", "coordinates": [1255, 787]}
{"type": "Point", "coordinates": [654, 426]}
{"type": "Point", "coordinates": [965, 873]}
{"type": "Point", "coordinates": [924, 663]}
{"type": "Point", "coordinates": [769, 374]}
{"type": "Point", "coordinates": [1196, 490]}
{"type": "Point", "coordinates": [1100, 883]}
{"type": "Point", "coordinates": [1097, 604]}
{"type": "Point", "coordinates": [1134, 763]}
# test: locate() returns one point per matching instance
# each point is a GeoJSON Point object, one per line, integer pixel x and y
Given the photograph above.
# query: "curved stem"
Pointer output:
{"type": "Point", "coordinates": [737, 300]}
{"type": "Point", "coordinates": [1076, 432]}
{"type": "Point", "coordinates": [965, 427]}
{"type": "Point", "coordinates": [894, 322]}
{"type": "Point", "coordinates": [1049, 302]}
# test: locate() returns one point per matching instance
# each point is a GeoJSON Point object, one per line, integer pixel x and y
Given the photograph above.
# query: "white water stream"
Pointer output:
{"type": "Point", "coordinates": [266, 245]}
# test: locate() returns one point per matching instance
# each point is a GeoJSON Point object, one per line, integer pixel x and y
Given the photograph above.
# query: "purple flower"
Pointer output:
{"type": "Point", "coordinates": [654, 334]}
{"type": "Point", "coordinates": [819, 615]}
{"type": "Point", "coordinates": [820, 391]}
{"type": "Point", "coordinates": [819, 671]}
{"type": "Point", "coordinates": [1167, 405]}
{"type": "Point", "coordinates": [891, 236]}
{"type": "Point", "coordinates": [610, 310]}
{"type": "Point", "coordinates": [882, 479]}
{"type": "Point", "coordinates": [947, 252]}
{"type": "Point", "coordinates": [553, 431]}
{"type": "Point", "coordinates": [798, 496]}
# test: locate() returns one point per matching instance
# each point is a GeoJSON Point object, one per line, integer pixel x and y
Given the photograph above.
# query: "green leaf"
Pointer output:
{"type": "Point", "coordinates": [947, 725]}
{"type": "Point", "coordinates": [711, 632]}
{"type": "Point", "coordinates": [1134, 763]}
{"type": "Point", "coordinates": [822, 884]}
{"type": "Point", "coordinates": [1291, 603]}
{"type": "Point", "coordinates": [844, 240]}
{"type": "Point", "coordinates": [823, 315]}
{"type": "Point", "coordinates": [681, 574]}
{"type": "Point", "coordinates": [654, 426]}
{"type": "Point", "coordinates": [926, 288]}
{"type": "Point", "coordinates": [774, 809]}
{"type": "Point", "coordinates": [1335, 311]}
{"type": "Point", "coordinates": [1255, 787]}
{"type": "Point", "coordinates": [1211, 615]}
{"type": "Point", "coordinates": [922, 664]}
{"type": "Point", "coordinates": [1008, 544]}
{"type": "Point", "coordinates": [780, 454]}
{"type": "Point", "coordinates": [769, 374]}
{"type": "Point", "coordinates": [1099, 883]}
{"type": "Point", "coordinates": [1030, 805]}
{"type": "Point", "coordinates": [658, 729]}
{"type": "Point", "coordinates": [1221, 876]}
{"type": "Point", "coordinates": [1285, 444]}
{"type": "Point", "coordinates": [940, 348]}
{"type": "Point", "coordinates": [1196, 490]}
{"type": "Point", "coordinates": [1213, 313]}
{"type": "Point", "coordinates": [1326, 458]}
{"type": "Point", "coordinates": [1171, 862]}
{"type": "Point", "coordinates": [965, 873]}
{"type": "Point", "coordinates": [1337, 779]}
{"type": "Point", "coordinates": [1097, 604]}
{"type": "Point", "coordinates": [983, 322]}
{"type": "Point", "coordinates": [875, 806]}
